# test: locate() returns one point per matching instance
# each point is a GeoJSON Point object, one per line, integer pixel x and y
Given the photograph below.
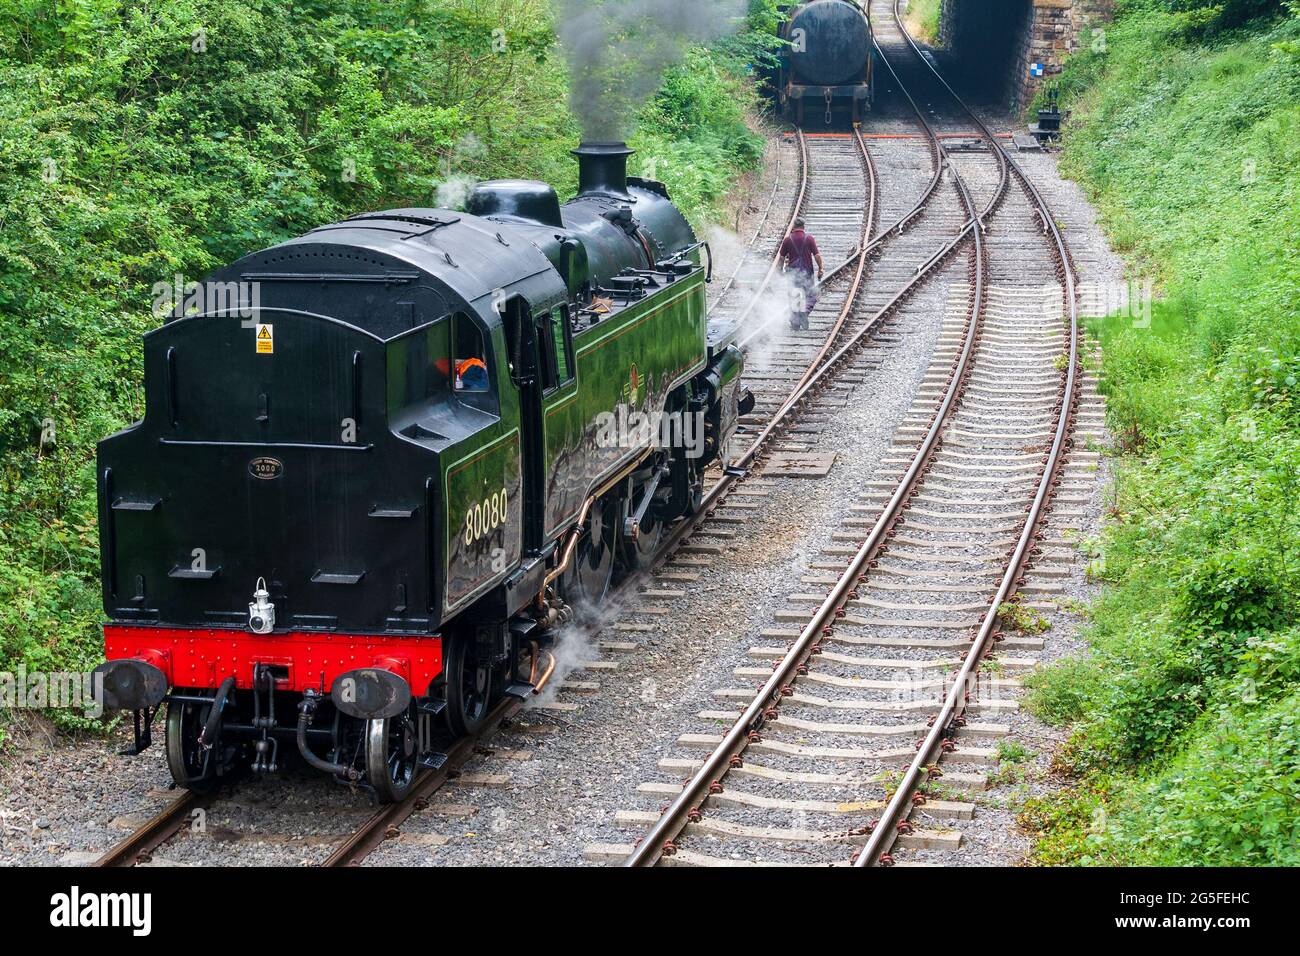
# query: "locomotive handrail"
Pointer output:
{"type": "Point", "coordinates": [682, 253]}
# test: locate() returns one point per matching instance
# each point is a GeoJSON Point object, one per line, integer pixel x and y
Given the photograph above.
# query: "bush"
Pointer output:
{"type": "Point", "coordinates": [1228, 800]}
{"type": "Point", "coordinates": [1233, 591]}
{"type": "Point", "coordinates": [1184, 746]}
{"type": "Point", "coordinates": [694, 134]}
{"type": "Point", "coordinates": [1203, 18]}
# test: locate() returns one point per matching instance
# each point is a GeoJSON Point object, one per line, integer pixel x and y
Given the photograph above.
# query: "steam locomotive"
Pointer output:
{"type": "Point", "coordinates": [373, 479]}
{"type": "Point", "coordinates": [824, 72]}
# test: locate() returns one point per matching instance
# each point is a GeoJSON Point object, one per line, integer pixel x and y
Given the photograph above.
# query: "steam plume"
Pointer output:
{"type": "Point", "coordinates": [618, 50]}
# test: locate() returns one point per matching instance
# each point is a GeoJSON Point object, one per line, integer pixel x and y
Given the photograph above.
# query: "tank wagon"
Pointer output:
{"type": "Point", "coordinates": [825, 72]}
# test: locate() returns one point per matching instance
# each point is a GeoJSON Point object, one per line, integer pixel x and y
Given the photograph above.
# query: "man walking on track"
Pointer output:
{"type": "Point", "coordinates": [798, 253]}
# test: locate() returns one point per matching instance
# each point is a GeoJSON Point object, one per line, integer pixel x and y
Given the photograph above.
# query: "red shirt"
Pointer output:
{"type": "Point", "coordinates": [800, 248]}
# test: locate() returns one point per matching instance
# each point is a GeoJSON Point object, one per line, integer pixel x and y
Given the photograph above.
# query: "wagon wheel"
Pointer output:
{"type": "Point", "coordinates": [468, 687]}
{"type": "Point", "coordinates": [589, 577]}
{"type": "Point", "coordinates": [392, 753]}
{"type": "Point", "coordinates": [191, 765]}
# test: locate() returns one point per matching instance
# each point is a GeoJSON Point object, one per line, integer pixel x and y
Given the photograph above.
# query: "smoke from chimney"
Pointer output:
{"type": "Point", "coordinates": [618, 50]}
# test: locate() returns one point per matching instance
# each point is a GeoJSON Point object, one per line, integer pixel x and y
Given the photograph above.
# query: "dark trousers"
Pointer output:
{"type": "Point", "coordinates": [804, 298]}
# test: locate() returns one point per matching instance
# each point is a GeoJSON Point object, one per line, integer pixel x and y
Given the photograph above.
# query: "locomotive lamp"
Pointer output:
{"type": "Point", "coordinates": [261, 612]}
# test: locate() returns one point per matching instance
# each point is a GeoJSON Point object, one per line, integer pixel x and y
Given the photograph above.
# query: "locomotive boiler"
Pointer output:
{"type": "Point", "coordinates": [824, 71]}
{"type": "Point", "coordinates": [373, 480]}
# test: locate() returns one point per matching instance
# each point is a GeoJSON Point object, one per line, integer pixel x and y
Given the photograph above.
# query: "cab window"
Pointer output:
{"type": "Point", "coordinates": [418, 370]}
{"type": "Point", "coordinates": [469, 369]}
{"type": "Point", "coordinates": [559, 348]}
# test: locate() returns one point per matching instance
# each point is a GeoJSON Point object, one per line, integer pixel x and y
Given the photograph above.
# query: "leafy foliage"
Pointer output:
{"type": "Point", "coordinates": [141, 141]}
{"type": "Point", "coordinates": [1202, 18]}
{"type": "Point", "coordinates": [922, 19]}
{"type": "Point", "coordinates": [1184, 750]}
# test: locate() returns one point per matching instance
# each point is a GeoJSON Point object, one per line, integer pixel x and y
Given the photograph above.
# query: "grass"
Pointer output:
{"type": "Point", "coordinates": [1184, 748]}
{"type": "Point", "coordinates": [922, 19]}
{"type": "Point", "coordinates": [1018, 617]}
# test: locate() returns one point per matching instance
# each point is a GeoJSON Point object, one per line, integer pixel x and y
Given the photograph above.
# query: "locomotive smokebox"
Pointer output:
{"type": "Point", "coordinates": [602, 169]}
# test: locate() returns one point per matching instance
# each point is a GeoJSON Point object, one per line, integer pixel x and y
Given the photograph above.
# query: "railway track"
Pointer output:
{"type": "Point", "coordinates": [138, 847]}
{"type": "Point", "coordinates": [784, 366]}
{"type": "Point", "coordinates": [823, 192]}
{"type": "Point", "coordinates": [179, 815]}
{"type": "Point", "coordinates": [788, 367]}
{"type": "Point", "coordinates": [937, 547]}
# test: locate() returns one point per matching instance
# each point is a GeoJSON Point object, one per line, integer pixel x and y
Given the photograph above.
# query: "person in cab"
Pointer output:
{"type": "Point", "coordinates": [471, 375]}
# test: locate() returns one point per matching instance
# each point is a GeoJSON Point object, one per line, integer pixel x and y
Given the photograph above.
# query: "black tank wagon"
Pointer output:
{"type": "Point", "coordinates": [368, 487]}
{"type": "Point", "coordinates": [825, 71]}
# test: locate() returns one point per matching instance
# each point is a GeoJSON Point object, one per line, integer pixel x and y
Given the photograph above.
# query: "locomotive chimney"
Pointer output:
{"type": "Point", "coordinates": [602, 169]}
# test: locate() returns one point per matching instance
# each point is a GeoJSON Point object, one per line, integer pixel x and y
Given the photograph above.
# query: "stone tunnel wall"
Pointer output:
{"type": "Point", "coordinates": [1009, 36]}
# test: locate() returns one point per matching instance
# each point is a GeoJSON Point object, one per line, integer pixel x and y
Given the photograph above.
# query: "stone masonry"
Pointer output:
{"type": "Point", "coordinates": [1048, 31]}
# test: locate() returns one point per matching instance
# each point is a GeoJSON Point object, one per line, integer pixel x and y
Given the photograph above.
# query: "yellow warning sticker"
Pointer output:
{"type": "Point", "coordinates": [265, 341]}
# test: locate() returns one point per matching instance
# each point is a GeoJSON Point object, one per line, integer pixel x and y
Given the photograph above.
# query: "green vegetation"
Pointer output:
{"type": "Point", "coordinates": [1012, 765]}
{"type": "Point", "coordinates": [141, 141]}
{"type": "Point", "coordinates": [1018, 617]}
{"type": "Point", "coordinates": [922, 19]}
{"type": "Point", "coordinates": [1186, 132]}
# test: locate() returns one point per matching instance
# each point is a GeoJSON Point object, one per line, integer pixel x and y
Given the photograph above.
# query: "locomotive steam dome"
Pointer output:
{"type": "Point", "coordinates": [836, 41]}
{"type": "Point", "coordinates": [524, 200]}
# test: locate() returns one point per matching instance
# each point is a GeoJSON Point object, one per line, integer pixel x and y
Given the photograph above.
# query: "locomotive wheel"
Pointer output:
{"type": "Point", "coordinates": [391, 756]}
{"type": "Point", "coordinates": [468, 687]}
{"type": "Point", "coordinates": [191, 766]}
{"type": "Point", "coordinates": [639, 553]}
{"type": "Point", "coordinates": [589, 578]}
